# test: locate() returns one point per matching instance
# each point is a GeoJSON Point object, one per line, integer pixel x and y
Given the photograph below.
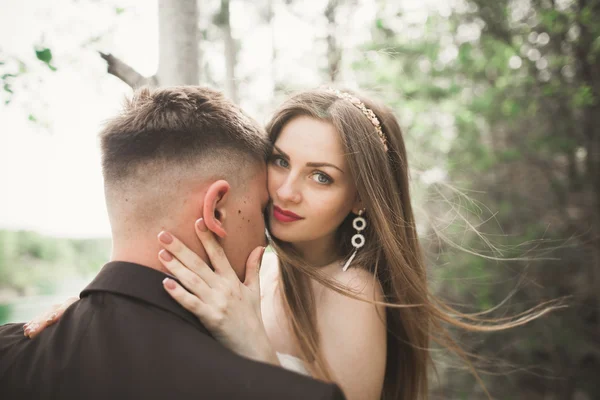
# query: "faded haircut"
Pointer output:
{"type": "Point", "coordinates": [180, 127]}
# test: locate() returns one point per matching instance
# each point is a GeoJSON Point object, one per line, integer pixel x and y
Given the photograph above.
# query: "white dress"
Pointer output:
{"type": "Point", "coordinates": [292, 363]}
{"type": "Point", "coordinates": [268, 277]}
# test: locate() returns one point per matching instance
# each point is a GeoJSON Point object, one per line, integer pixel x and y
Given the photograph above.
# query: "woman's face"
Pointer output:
{"type": "Point", "coordinates": [310, 185]}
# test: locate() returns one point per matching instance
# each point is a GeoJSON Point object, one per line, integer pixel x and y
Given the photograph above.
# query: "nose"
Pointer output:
{"type": "Point", "coordinates": [288, 192]}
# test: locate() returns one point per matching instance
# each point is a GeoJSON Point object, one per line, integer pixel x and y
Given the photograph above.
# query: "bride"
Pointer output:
{"type": "Point", "coordinates": [344, 295]}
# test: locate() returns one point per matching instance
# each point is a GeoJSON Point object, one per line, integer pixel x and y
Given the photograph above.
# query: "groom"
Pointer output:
{"type": "Point", "coordinates": [172, 156]}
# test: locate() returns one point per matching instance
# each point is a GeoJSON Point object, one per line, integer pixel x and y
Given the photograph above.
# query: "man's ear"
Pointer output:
{"type": "Point", "coordinates": [213, 212]}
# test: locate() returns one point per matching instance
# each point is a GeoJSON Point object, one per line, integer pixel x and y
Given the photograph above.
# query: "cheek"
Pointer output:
{"type": "Point", "coordinates": [330, 208]}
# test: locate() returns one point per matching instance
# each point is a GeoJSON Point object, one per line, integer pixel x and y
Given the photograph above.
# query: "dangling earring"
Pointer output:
{"type": "Point", "coordinates": [358, 240]}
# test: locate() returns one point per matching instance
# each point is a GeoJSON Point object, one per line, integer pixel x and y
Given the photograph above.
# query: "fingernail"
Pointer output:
{"type": "Point", "coordinates": [51, 317]}
{"type": "Point", "coordinates": [201, 225]}
{"type": "Point", "coordinates": [165, 237]}
{"type": "Point", "coordinates": [31, 329]}
{"type": "Point", "coordinates": [165, 255]}
{"type": "Point", "coordinates": [169, 283]}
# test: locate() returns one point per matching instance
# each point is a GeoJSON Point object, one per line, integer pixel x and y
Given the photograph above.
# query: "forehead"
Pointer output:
{"type": "Point", "coordinates": [311, 140]}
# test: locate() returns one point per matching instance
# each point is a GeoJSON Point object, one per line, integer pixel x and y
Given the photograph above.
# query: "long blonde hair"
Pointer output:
{"type": "Point", "coordinates": [392, 253]}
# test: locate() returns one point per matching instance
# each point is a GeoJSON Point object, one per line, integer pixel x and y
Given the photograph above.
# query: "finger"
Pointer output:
{"type": "Point", "coordinates": [218, 259]}
{"type": "Point", "coordinates": [40, 322]}
{"type": "Point", "coordinates": [193, 282]}
{"type": "Point", "coordinates": [252, 279]}
{"type": "Point", "coordinates": [187, 257]}
{"type": "Point", "coordinates": [184, 298]}
{"type": "Point", "coordinates": [58, 313]}
{"type": "Point", "coordinates": [37, 324]}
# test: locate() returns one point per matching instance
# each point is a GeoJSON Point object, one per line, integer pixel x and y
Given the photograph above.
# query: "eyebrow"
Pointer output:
{"type": "Point", "coordinates": [310, 164]}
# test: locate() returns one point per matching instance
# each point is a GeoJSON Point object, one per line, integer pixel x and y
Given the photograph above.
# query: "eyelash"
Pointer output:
{"type": "Point", "coordinates": [329, 180]}
{"type": "Point", "coordinates": [275, 158]}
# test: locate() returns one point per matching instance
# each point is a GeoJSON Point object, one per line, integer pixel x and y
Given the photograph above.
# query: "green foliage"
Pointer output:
{"type": "Point", "coordinates": [584, 97]}
{"type": "Point", "coordinates": [30, 261]}
{"type": "Point", "coordinates": [12, 68]}
{"type": "Point", "coordinates": [45, 55]}
{"type": "Point", "coordinates": [4, 312]}
{"type": "Point", "coordinates": [6, 79]}
{"type": "Point", "coordinates": [517, 96]}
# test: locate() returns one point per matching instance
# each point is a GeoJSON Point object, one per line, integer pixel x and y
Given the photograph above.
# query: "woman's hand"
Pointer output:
{"type": "Point", "coordinates": [41, 322]}
{"type": "Point", "coordinates": [228, 308]}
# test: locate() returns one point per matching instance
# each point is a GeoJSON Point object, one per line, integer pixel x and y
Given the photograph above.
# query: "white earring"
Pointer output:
{"type": "Point", "coordinates": [358, 240]}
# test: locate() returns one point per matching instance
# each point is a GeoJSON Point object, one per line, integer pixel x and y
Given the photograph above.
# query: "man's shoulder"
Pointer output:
{"type": "Point", "coordinates": [176, 354]}
{"type": "Point", "coordinates": [265, 381]}
{"type": "Point", "coordinates": [10, 335]}
{"type": "Point", "coordinates": [11, 329]}
{"type": "Point", "coordinates": [113, 347]}
{"type": "Point", "coordinates": [12, 340]}
{"type": "Point", "coordinates": [215, 371]}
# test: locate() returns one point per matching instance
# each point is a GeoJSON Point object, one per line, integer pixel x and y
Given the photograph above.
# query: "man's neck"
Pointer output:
{"type": "Point", "coordinates": [143, 252]}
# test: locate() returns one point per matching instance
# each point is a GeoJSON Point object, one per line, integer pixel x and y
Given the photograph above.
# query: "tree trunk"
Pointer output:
{"type": "Point", "coordinates": [230, 52]}
{"type": "Point", "coordinates": [178, 43]}
{"type": "Point", "coordinates": [270, 15]}
{"type": "Point", "coordinates": [589, 74]}
{"type": "Point", "coordinates": [178, 48]}
{"type": "Point", "coordinates": [334, 54]}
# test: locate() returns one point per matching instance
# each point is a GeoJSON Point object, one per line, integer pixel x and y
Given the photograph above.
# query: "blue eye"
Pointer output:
{"type": "Point", "coordinates": [280, 162]}
{"type": "Point", "coordinates": [321, 178]}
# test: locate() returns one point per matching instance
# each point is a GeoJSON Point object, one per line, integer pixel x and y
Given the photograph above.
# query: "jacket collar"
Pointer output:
{"type": "Point", "coordinates": [141, 283]}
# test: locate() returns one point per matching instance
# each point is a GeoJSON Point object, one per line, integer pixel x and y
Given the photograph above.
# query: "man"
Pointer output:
{"type": "Point", "coordinates": [172, 156]}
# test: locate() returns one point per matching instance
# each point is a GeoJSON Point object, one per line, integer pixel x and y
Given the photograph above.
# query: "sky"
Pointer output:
{"type": "Point", "coordinates": [50, 175]}
{"type": "Point", "coordinates": [49, 171]}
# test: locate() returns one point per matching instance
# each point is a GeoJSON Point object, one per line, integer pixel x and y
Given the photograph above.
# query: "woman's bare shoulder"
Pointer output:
{"type": "Point", "coordinates": [269, 267]}
{"type": "Point", "coordinates": [359, 280]}
{"type": "Point", "coordinates": [353, 332]}
{"type": "Point", "coordinates": [356, 280]}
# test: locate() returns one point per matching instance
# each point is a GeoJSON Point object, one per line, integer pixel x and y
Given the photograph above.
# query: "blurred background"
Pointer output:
{"type": "Point", "coordinates": [500, 105]}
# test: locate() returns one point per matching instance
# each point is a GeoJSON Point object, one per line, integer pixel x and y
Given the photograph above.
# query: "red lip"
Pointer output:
{"type": "Point", "coordinates": [284, 215]}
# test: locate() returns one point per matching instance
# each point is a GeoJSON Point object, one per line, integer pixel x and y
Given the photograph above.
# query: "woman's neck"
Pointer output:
{"type": "Point", "coordinates": [319, 252]}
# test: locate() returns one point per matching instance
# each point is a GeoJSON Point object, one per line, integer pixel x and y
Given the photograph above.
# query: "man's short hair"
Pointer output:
{"type": "Point", "coordinates": [178, 126]}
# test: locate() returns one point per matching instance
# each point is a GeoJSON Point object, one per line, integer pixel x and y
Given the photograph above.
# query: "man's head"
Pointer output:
{"type": "Point", "coordinates": [174, 155]}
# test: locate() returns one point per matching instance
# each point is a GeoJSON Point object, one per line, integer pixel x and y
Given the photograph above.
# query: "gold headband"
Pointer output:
{"type": "Point", "coordinates": [367, 111]}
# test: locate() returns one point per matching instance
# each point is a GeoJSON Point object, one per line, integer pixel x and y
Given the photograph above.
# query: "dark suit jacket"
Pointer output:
{"type": "Point", "coordinates": [126, 338]}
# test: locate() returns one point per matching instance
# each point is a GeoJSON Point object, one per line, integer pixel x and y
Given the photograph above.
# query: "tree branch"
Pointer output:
{"type": "Point", "coordinates": [125, 73]}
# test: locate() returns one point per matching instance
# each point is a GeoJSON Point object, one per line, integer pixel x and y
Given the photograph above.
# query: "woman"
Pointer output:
{"type": "Point", "coordinates": [345, 296]}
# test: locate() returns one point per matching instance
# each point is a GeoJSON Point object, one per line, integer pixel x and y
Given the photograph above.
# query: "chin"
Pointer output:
{"type": "Point", "coordinates": [286, 233]}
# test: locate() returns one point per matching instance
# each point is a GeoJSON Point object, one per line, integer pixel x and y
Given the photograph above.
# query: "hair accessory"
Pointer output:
{"type": "Point", "coordinates": [367, 111]}
{"type": "Point", "coordinates": [358, 240]}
